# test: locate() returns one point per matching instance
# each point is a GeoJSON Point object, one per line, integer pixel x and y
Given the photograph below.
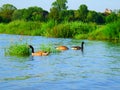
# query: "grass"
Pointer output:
{"type": "Point", "coordinates": [18, 50]}
{"type": "Point", "coordinates": [48, 29]}
{"type": "Point", "coordinates": [49, 48]}
{"type": "Point", "coordinates": [110, 31]}
{"type": "Point", "coordinates": [21, 27]}
{"type": "Point", "coordinates": [77, 30]}
{"type": "Point", "coordinates": [69, 29]}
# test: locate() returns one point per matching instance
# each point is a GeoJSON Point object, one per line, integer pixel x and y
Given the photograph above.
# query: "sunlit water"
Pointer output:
{"type": "Point", "coordinates": [97, 68]}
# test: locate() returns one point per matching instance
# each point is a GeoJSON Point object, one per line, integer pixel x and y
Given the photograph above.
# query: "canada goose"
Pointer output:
{"type": "Point", "coordinates": [62, 48]}
{"type": "Point", "coordinates": [78, 47]}
{"type": "Point", "coordinates": [38, 53]}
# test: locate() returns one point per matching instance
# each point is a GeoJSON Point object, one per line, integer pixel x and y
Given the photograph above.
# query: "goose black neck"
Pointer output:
{"type": "Point", "coordinates": [31, 48]}
{"type": "Point", "coordinates": [82, 45]}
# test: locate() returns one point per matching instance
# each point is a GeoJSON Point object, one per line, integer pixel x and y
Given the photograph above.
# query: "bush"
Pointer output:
{"type": "Point", "coordinates": [21, 27]}
{"type": "Point", "coordinates": [112, 31]}
{"type": "Point", "coordinates": [69, 30]}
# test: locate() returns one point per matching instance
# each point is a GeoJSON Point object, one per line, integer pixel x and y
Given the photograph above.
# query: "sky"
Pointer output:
{"type": "Point", "coordinates": [96, 5]}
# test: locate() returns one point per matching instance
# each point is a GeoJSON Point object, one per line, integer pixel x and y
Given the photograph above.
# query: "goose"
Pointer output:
{"type": "Point", "coordinates": [62, 48]}
{"type": "Point", "coordinates": [38, 53]}
{"type": "Point", "coordinates": [78, 47]}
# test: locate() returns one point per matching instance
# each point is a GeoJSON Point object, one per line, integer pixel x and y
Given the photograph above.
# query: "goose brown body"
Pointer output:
{"type": "Point", "coordinates": [62, 48]}
{"type": "Point", "coordinates": [38, 53]}
{"type": "Point", "coordinates": [78, 47]}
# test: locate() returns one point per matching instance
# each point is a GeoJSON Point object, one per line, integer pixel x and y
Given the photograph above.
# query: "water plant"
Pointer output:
{"type": "Point", "coordinates": [17, 50]}
{"type": "Point", "coordinates": [49, 48]}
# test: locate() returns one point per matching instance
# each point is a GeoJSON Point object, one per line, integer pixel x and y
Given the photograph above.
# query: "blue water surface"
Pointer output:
{"type": "Point", "coordinates": [97, 68]}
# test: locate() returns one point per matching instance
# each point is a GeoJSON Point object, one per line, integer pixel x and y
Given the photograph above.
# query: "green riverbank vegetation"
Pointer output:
{"type": "Point", "coordinates": [60, 22]}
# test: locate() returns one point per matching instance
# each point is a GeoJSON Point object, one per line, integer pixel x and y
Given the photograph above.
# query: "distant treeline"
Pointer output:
{"type": "Point", "coordinates": [58, 13]}
{"type": "Point", "coordinates": [60, 22]}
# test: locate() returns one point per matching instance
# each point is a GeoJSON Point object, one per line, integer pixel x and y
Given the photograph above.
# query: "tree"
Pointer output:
{"type": "Point", "coordinates": [101, 18]}
{"type": "Point", "coordinates": [83, 11]}
{"type": "Point", "coordinates": [0, 19]}
{"type": "Point", "coordinates": [111, 18]}
{"type": "Point", "coordinates": [60, 5]}
{"type": "Point", "coordinates": [30, 14]}
{"type": "Point", "coordinates": [54, 14]}
{"type": "Point", "coordinates": [18, 14]}
{"type": "Point", "coordinates": [95, 17]}
{"type": "Point", "coordinates": [6, 12]}
{"type": "Point", "coordinates": [76, 15]}
{"type": "Point", "coordinates": [67, 15]}
{"type": "Point", "coordinates": [35, 13]}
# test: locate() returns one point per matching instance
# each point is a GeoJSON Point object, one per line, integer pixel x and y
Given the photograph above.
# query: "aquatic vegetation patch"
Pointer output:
{"type": "Point", "coordinates": [17, 50]}
{"type": "Point", "coordinates": [49, 48]}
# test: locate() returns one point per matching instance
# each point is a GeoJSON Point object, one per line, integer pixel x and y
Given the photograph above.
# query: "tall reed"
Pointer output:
{"type": "Point", "coordinates": [20, 27]}
{"type": "Point", "coordinates": [112, 30]}
{"type": "Point", "coordinates": [70, 29]}
{"type": "Point", "coordinates": [78, 30]}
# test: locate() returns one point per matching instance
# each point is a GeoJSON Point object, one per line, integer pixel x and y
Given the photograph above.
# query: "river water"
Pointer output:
{"type": "Point", "coordinates": [97, 68]}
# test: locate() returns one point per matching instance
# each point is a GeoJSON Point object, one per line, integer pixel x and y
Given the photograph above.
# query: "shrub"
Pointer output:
{"type": "Point", "coordinates": [112, 31]}
{"type": "Point", "coordinates": [69, 30]}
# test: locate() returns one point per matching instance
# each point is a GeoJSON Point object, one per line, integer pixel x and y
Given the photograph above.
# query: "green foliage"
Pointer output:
{"type": "Point", "coordinates": [49, 48]}
{"type": "Point", "coordinates": [66, 15]}
{"type": "Point", "coordinates": [54, 14]}
{"type": "Point", "coordinates": [57, 7]}
{"type": "Point", "coordinates": [31, 14]}
{"type": "Point", "coordinates": [35, 14]}
{"type": "Point", "coordinates": [19, 14]}
{"type": "Point", "coordinates": [83, 11]}
{"type": "Point", "coordinates": [97, 34]}
{"type": "Point", "coordinates": [6, 7]}
{"type": "Point", "coordinates": [112, 30]}
{"type": "Point", "coordinates": [60, 5]}
{"type": "Point", "coordinates": [18, 50]}
{"type": "Point", "coordinates": [6, 12]}
{"type": "Point", "coordinates": [60, 22]}
{"type": "Point", "coordinates": [111, 18]}
{"type": "Point", "coordinates": [21, 27]}
{"type": "Point", "coordinates": [69, 30]}
{"type": "Point", "coordinates": [95, 17]}
{"type": "Point", "coordinates": [78, 30]}
{"type": "Point", "coordinates": [45, 27]}
{"type": "Point", "coordinates": [49, 29]}
{"type": "Point", "coordinates": [60, 30]}
{"type": "Point", "coordinates": [2, 28]}
{"type": "Point", "coordinates": [58, 13]}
